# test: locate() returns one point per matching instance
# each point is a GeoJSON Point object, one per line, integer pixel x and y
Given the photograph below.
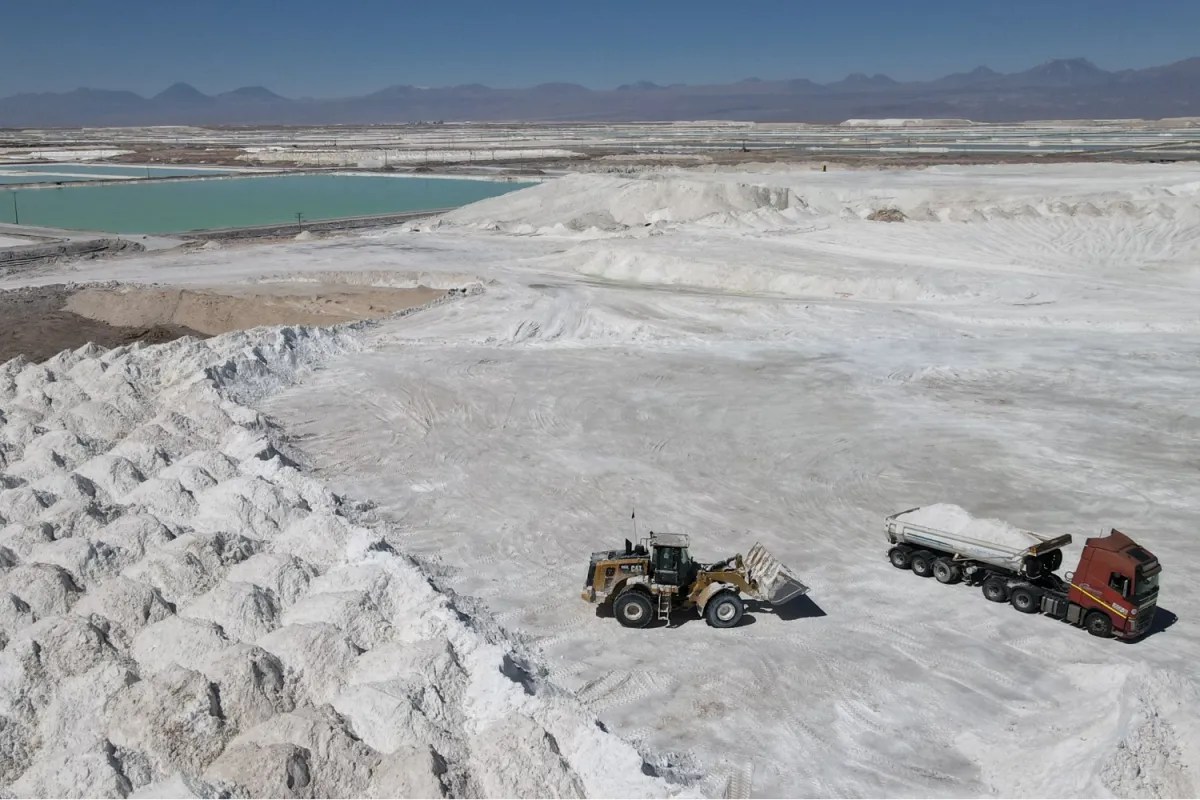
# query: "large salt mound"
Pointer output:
{"type": "Point", "coordinates": [603, 203]}
{"type": "Point", "coordinates": [184, 613]}
{"type": "Point", "coordinates": [774, 199]}
{"type": "Point", "coordinates": [955, 519]}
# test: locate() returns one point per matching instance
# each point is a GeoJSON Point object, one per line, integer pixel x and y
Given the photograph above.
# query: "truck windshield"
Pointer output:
{"type": "Point", "coordinates": [1146, 587]}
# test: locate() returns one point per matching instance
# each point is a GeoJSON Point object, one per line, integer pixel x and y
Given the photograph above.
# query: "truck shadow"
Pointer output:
{"type": "Point", "coordinates": [1163, 619]}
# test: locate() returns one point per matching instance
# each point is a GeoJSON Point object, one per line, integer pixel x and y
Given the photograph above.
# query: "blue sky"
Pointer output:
{"type": "Point", "coordinates": [328, 48]}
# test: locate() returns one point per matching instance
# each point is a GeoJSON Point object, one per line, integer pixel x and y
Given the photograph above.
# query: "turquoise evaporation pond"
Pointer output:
{"type": "Point", "coordinates": [70, 173]}
{"type": "Point", "coordinates": [191, 205]}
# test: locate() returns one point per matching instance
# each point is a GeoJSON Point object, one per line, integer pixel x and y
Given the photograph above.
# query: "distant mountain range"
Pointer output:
{"type": "Point", "coordinates": [1060, 89]}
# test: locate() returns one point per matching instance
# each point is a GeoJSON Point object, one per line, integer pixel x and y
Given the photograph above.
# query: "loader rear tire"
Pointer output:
{"type": "Point", "coordinates": [633, 610]}
{"type": "Point", "coordinates": [922, 563]}
{"type": "Point", "coordinates": [900, 556]}
{"type": "Point", "coordinates": [725, 610]}
{"type": "Point", "coordinates": [946, 571]}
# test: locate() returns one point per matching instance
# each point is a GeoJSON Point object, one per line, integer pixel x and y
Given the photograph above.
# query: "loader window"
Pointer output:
{"type": "Point", "coordinates": [668, 558]}
{"type": "Point", "coordinates": [666, 566]}
{"type": "Point", "coordinates": [1119, 583]}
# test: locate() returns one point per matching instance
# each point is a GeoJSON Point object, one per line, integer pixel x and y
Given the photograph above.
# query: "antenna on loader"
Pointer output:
{"type": "Point", "coordinates": [633, 517]}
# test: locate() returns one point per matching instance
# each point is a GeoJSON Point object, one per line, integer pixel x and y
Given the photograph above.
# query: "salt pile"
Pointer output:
{"type": "Point", "coordinates": [604, 203]}
{"type": "Point", "coordinates": [183, 612]}
{"type": "Point", "coordinates": [770, 198]}
{"type": "Point", "coordinates": [955, 519]}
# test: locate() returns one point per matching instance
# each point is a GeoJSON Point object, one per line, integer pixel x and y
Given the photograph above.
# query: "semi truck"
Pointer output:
{"type": "Point", "coordinates": [1112, 592]}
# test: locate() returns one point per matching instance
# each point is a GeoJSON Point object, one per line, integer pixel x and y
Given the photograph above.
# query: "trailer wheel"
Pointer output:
{"type": "Point", "coordinates": [922, 563]}
{"type": "Point", "coordinates": [995, 589]}
{"type": "Point", "coordinates": [633, 610]}
{"type": "Point", "coordinates": [946, 571]}
{"type": "Point", "coordinates": [900, 556]}
{"type": "Point", "coordinates": [1025, 600]}
{"type": "Point", "coordinates": [725, 610]}
{"type": "Point", "coordinates": [1098, 624]}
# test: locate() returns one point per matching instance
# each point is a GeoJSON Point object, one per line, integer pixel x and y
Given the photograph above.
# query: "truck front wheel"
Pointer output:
{"type": "Point", "coordinates": [1098, 624]}
{"type": "Point", "coordinates": [1026, 600]}
{"type": "Point", "coordinates": [633, 610]}
{"type": "Point", "coordinates": [922, 563]}
{"type": "Point", "coordinates": [725, 610]}
{"type": "Point", "coordinates": [995, 589]}
{"type": "Point", "coordinates": [900, 556]}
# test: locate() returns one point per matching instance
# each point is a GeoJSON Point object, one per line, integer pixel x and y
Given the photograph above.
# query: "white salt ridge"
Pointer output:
{"type": "Point", "coordinates": [955, 519]}
{"type": "Point", "coordinates": [773, 198]}
{"type": "Point", "coordinates": [186, 614]}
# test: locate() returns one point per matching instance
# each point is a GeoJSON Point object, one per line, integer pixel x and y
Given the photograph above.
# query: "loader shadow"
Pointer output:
{"type": "Point", "coordinates": [803, 607]}
{"type": "Point", "coordinates": [689, 616]}
{"type": "Point", "coordinates": [1163, 619]}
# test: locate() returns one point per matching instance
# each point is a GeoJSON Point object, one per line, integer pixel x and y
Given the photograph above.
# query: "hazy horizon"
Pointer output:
{"type": "Point", "coordinates": [310, 50]}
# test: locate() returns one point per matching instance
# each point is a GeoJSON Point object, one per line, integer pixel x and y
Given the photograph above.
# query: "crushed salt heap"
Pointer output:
{"type": "Point", "coordinates": [184, 613]}
{"type": "Point", "coordinates": [955, 519]}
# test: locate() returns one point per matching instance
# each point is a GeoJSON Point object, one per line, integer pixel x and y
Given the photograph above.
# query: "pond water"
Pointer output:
{"type": "Point", "coordinates": [178, 206]}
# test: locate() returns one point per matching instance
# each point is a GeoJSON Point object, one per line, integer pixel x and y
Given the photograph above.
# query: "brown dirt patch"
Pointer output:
{"type": "Point", "coordinates": [34, 323]}
{"type": "Point", "coordinates": [39, 322]}
{"type": "Point", "coordinates": [214, 310]}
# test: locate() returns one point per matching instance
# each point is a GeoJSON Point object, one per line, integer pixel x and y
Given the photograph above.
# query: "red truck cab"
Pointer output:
{"type": "Point", "coordinates": [1117, 578]}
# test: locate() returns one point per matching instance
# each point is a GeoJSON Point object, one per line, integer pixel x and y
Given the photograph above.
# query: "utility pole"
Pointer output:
{"type": "Point", "coordinates": [300, 220]}
{"type": "Point", "coordinates": [16, 216]}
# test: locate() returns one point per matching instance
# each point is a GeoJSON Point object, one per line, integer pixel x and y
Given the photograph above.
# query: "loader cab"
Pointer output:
{"type": "Point", "coordinates": [671, 564]}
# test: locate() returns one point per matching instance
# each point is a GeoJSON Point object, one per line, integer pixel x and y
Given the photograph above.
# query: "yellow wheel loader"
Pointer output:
{"type": "Point", "coordinates": [659, 576]}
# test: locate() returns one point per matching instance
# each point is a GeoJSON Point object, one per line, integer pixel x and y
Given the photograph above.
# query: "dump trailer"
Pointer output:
{"type": "Point", "coordinates": [659, 576]}
{"type": "Point", "coordinates": [1112, 592]}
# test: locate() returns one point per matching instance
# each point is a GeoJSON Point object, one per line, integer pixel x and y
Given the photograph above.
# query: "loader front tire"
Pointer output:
{"type": "Point", "coordinates": [725, 610]}
{"type": "Point", "coordinates": [633, 610]}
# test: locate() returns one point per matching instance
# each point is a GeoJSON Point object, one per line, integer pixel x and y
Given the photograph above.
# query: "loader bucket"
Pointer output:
{"type": "Point", "coordinates": [773, 582]}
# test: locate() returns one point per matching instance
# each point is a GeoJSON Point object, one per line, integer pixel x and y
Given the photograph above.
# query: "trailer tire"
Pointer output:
{"type": "Point", "coordinates": [946, 571]}
{"type": "Point", "coordinates": [725, 610]}
{"type": "Point", "coordinates": [922, 563]}
{"type": "Point", "coordinates": [1032, 567]}
{"type": "Point", "coordinates": [1052, 561]}
{"type": "Point", "coordinates": [1026, 600]}
{"type": "Point", "coordinates": [995, 589]}
{"type": "Point", "coordinates": [633, 610]}
{"type": "Point", "coordinates": [900, 556]}
{"type": "Point", "coordinates": [1098, 624]}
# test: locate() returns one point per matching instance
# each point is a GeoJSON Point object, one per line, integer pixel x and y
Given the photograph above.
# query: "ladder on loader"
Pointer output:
{"type": "Point", "coordinates": [664, 605]}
